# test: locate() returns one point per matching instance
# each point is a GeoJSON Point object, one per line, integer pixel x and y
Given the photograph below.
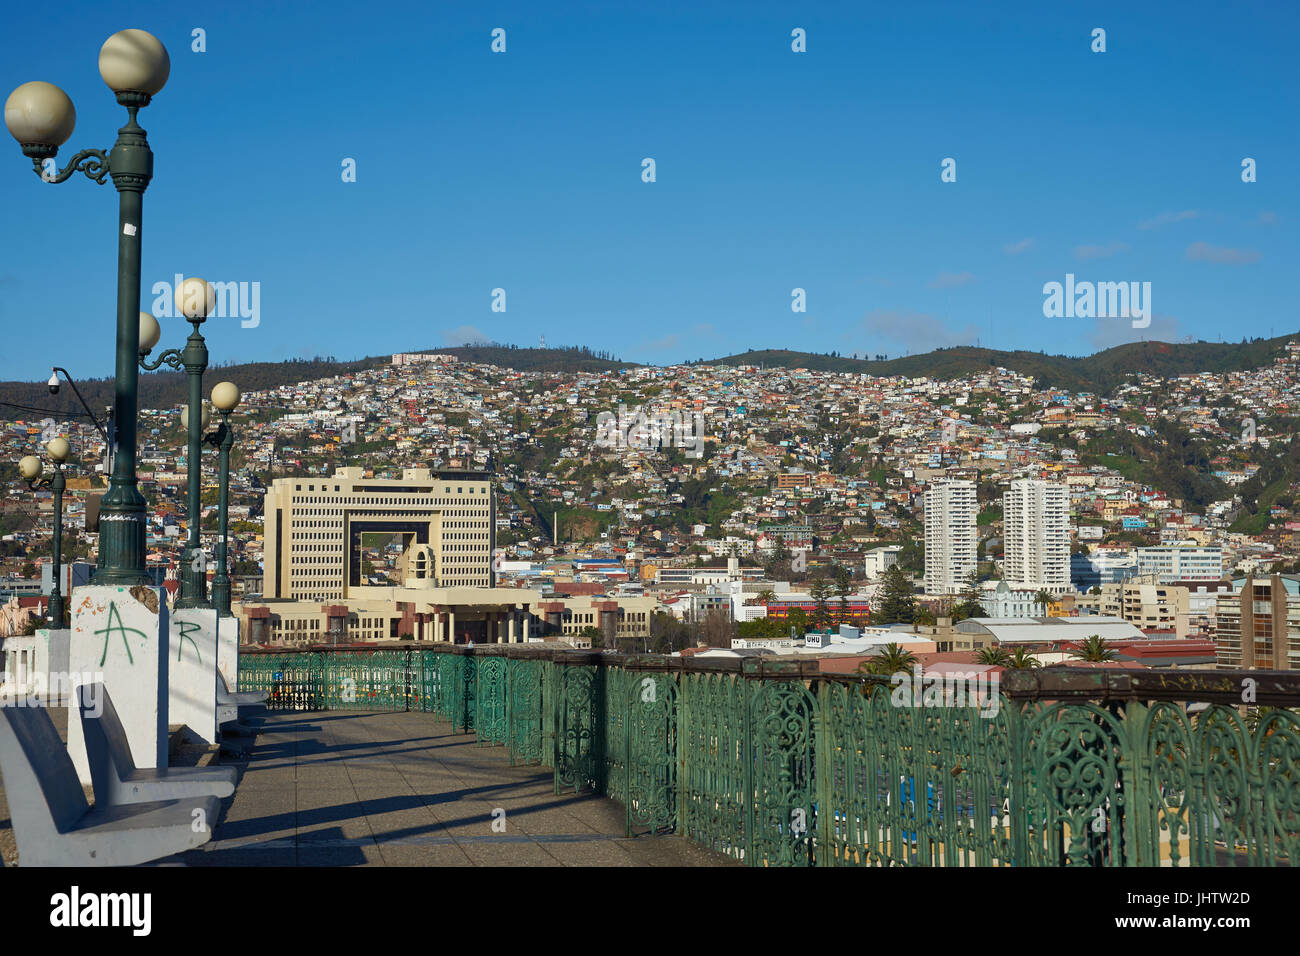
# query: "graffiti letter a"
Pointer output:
{"type": "Point", "coordinates": [115, 626]}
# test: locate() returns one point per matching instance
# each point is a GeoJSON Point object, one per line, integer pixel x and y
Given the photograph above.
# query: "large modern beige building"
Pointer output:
{"type": "Point", "coordinates": [314, 530]}
{"type": "Point", "coordinates": [415, 612]}
{"type": "Point", "coordinates": [420, 612]}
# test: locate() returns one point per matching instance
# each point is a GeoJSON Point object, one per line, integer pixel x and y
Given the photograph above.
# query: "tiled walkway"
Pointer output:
{"type": "Point", "coordinates": [347, 789]}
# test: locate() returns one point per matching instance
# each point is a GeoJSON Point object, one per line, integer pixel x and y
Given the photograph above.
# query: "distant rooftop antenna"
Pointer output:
{"type": "Point", "coordinates": [542, 341]}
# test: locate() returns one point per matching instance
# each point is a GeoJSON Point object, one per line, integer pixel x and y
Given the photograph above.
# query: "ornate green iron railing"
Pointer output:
{"type": "Point", "coordinates": [775, 763]}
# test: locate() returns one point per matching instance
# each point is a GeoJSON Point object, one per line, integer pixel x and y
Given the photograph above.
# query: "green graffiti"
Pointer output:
{"type": "Point", "coordinates": [119, 628]}
{"type": "Point", "coordinates": [187, 628]}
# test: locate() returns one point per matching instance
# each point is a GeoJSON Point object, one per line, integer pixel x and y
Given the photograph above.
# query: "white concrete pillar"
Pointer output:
{"type": "Point", "coordinates": [527, 620]}
{"type": "Point", "coordinates": [192, 677]}
{"type": "Point", "coordinates": [228, 634]}
{"type": "Point", "coordinates": [120, 638]}
{"type": "Point", "coordinates": [510, 625]}
{"type": "Point", "coordinates": [451, 626]}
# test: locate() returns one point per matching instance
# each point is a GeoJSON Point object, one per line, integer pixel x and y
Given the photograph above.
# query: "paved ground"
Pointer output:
{"type": "Point", "coordinates": [350, 789]}
{"type": "Point", "coordinates": [347, 789]}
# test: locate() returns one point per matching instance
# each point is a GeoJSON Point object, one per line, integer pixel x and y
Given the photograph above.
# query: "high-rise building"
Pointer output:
{"type": "Point", "coordinates": [1036, 535]}
{"type": "Point", "coordinates": [314, 529]}
{"type": "Point", "coordinates": [950, 537]}
{"type": "Point", "coordinates": [1259, 625]}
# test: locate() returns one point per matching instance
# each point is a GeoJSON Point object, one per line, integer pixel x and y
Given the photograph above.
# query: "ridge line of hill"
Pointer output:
{"type": "Point", "coordinates": [1099, 373]}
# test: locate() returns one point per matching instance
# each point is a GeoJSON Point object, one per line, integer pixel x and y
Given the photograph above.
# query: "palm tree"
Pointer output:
{"type": "Point", "coordinates": [1022, 660]}
{"type": "Point", "coordinates": [1094, 651]}
{"type": "Point", "coordinates": [1045, 599]}
{"type": "Point", "coordinates": [993, 655]}
{"type": "Point", "coordinates": [766, 596]}
{"type": "Point", "coordinates": [1258, 715]}
{"type": "Point", "coordinates": [891, 659]}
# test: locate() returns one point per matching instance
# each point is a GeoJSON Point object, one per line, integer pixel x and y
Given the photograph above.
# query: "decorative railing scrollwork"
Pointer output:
{"type": "Point", "coordinates": [782, 765]}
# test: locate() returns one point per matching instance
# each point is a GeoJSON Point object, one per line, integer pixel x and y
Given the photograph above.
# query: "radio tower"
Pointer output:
{"type": "Point", "coordinates": [542, 342]}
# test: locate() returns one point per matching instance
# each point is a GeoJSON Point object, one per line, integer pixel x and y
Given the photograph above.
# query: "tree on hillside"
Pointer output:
{"type": "Point", "coordinates": [897, 604]}
{"type": "Point", "coordinates": [717, 630]}
{"type": "Point", "coordinates": [797, 620]}
{"type": "Point", "coordinates": [668, 634]}
{"type": "Point", "coordinates": [843, 588]}
{"type": "Point", "coordinates": [820, 591]}
{"type": "Point", "coordinates": [970, 604]}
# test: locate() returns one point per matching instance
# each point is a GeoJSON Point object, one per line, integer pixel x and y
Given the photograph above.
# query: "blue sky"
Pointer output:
{"type": "Point", "coordinates": [775, 170]}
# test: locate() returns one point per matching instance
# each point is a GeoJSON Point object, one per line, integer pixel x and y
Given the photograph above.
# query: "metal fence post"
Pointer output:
{"type": "Point", "coordinates": [1018, 808]}
{"type": "Point", "coordinates": [748, 752]}
{"type": "Point", "coordinates": [823, 747]}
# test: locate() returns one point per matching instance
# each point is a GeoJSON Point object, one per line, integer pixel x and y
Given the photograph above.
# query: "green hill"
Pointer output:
{"type": "Point", "coordinates": [29, 400]}
{"type": "Point", "coordinates": [569, 359]}
{"type": "Point", "coordinates": [32, 400]}
{"type": "Point", "coordinates": [1100, 373]}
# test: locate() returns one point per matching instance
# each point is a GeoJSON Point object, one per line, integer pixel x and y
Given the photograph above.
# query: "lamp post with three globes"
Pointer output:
{"type": "Point", "coordinates": [30, 467]}
{"type": "Point", "coordinates": [225, 396]}
{"type": "Point", "coordinates": [41, 117]}
{"type": "Point", "coordinates": [195, 299]}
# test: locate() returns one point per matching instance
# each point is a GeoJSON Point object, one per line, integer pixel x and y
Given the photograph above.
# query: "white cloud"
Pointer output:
{"type": "Point", "coordinates": [664, 344]}
{"type": "Point", "coordinates": [1100, 252]}
{"type": "Point", "coordinates": [951, 280]}
{"type": "Point", "coordinates": [915, 331]}
{"type": "Point", "coordinates": [1165, 218]}
{"type": "Point", "coordinates": [1107, 333]}
{"type": "Point", "coordinates": [1224, 255]}
{"type": "Point", "coordinates": [1015, 248]}
{"type": "Point", "coordinates": [463, 335]}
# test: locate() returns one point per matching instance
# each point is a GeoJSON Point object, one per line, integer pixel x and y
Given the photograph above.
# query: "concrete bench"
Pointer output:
{"type": "Point", "coordinates": [246, 699]}
{"type": "Point", "coordinates": [113, 772]}
{"type": "Point", "coordinates": [52, 822]}
{"type": "Point", "coordinates": [230, 707]}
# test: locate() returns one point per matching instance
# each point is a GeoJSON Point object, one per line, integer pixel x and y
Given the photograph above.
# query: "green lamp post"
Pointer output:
{"type": "Point", "coordinates": [195, 300]}
{"type": "Point", "coordinates": [41, 117]}
{"type": "Point", "coordinates": [225, 397]}
{"type": "Point", "coordinates": [30, 467]}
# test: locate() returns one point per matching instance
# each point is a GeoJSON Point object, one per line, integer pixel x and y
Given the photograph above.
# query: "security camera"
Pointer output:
{"type": "Point", "coordinates": [54, 383]}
